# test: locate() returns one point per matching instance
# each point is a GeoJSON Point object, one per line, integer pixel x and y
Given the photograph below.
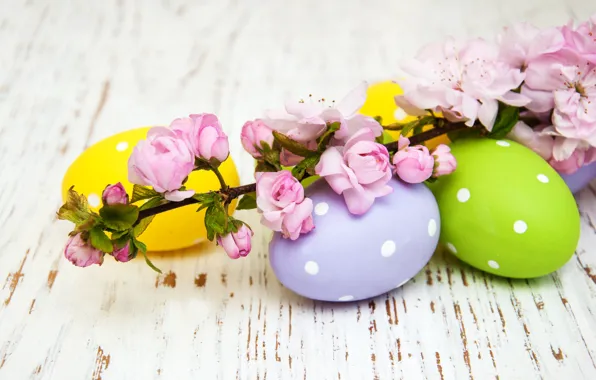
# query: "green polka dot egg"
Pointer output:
{"type": "Point", "coordinates": [505, 210]}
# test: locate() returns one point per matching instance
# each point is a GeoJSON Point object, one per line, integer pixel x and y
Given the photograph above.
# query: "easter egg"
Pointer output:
{"type": "Point", "coordinates": [581, 178]}
{"type": "Point", "coordinates": [505, 210]}
{"type": "Point", "coordinates": [380, 102]}
{"type": "Point", "coordinates": [106, 162]}
{"type": "Point", "coordinates": [349, 257]}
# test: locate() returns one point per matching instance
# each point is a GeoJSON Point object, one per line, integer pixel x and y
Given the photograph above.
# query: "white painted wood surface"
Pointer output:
{"type": "Point", "coordinates": [74, 72]}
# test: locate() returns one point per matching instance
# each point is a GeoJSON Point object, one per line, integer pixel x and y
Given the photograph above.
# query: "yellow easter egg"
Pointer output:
{"type": "Point", "coordinates": [107, 163]}
{"type": "Point", "coordinates": [380, 102]}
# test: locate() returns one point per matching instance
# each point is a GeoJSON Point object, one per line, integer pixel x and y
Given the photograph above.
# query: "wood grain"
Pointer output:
{"type": "Point", "coordinates": [74, 72]}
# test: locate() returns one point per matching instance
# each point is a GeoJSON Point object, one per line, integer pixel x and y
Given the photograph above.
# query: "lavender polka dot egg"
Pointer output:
{"type": "Point", "coordinates": [349, 257]}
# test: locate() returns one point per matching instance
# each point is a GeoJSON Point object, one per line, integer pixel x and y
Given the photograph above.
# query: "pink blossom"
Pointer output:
{"type": "Point", "coordinates": [360, 170]}
{"type": "Point", "coordinates": [299, 221]}
{"type": "Point", "coordinates": [445, 163]}
{"type": "Point", "coordinates": [236, 244]}
{"type": "Point", "coordinates": [306, 121]}
{"type": "Point", "coordinates": [582, 39]}
{"type": "Point", "coordinates": [566, 82]}
{"type": "Point", "coordinates": [81, 253]}
{"type": "Point", "coordinates": [114, 194]}
{"type": "Point", "coordinates": [162, 161]}
{"type": "Point", "coordinates": [413, 164]}
{"type": "Point", "coordinates": [522, 43]}
{"type": "Point", "coordinates": [253, 135]}
{"type": "Point", "coordinates": [122, 254]}
{"type": "Point", "coordinates": [203, 135]}
{"type": "Point", "coordinates": [281, 201]}
{"type": "Point", "coordinates": [463, 80]}
{"type": "Point", "coordinates": [571, 164]}
{"type": "Point", "coordinates": [533, 139]}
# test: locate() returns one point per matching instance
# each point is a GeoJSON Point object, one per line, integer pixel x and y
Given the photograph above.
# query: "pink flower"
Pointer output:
{"type": "Point", "coordinates": [571, 164]}
{"type": "Point", "coordinates": [299, 221]}
{"type": "Point", "coordinates": [306, 121]}
{"type": "Point", "coordinates": [360, 170]}
{"type": "Point", "coordinates": [464, 81]}
{"type": "Point", "coordinates": [413, 164]}
{"type": "Point", "coordinates": [281, 201]}
{"type": "Point", "coordinates": [522, 43]}
{"type": "Point", "coordinates": [236, 244]}
{"type": "Point", "coordinates": [445, 163]}
{"type": "Point", "coordinates": [162, 161]}
{"type": "Point", "coordinates": [253, 135]}
{"type": "Point", "coordinates": [582, 39]}
{"type": "Point", "coordinates": [566, 82]}
{"type": "Point", "coordinates": [122, 254]}
{"type": "Point", "coordinates": [533, 139]}
{"type": "Point", "coordinates": [203, 135]}
{"type": "Point", "coordinates": [81, 253]}
{"type": "Point", "coordinates": [114, 194]}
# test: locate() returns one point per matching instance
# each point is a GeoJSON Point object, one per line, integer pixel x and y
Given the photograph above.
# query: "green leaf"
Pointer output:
{"type": "Point", "coordinates": [215, 220]}
{"type": "Point", "coordinates": [119, 217]}
{"type": "Point", "coordinates": [143, 248]}
{"type": "Point", "coordinates": [144, 223]}
{"type": "Point", "coordinates": [291, 145]}
{"type": "Point", "coordinates": [271, 156]}
{"type": "Point", "coordinates": [247, 202]}
{"type": "Point", "coordinates": [100, 240]}
{"type": "Point", "coordinates": [303, 166]}
{"type": "Point", "coordinates": [507, 117]}
{"type": "Point", "coordinates": [201, 164]}
{"type": "Point", "coordinates": [75, 209]}
{"type": "Point", "coordinates": [465, 133]}
{"type": "Point", "coordinates": [323, 140]}
{"type": "Point", "coordinates": [121, 240]}
{"type": "Point", "coordinates": [142, 192]}
{"type": "Point", "coordinates": [265, 167]}
{"type": "Point", "coordinates": [88, 224]}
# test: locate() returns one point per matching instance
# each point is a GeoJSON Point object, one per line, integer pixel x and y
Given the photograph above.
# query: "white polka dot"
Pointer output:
{"type": "Point", "coordinates": [388, 248]}
{"type": "Point", "coordinates": [432, 227]}
{"type": "Point", "coordinates": [493, 264]}
{"type": "Point", "coordinates": [93, 200]}
{"type": "Point", "coordinates": [503, 143]}
{"type": "Point", "coordinates": [311, 267]}
{"type": "Point", "coordinates": [399, 114]}
{"type": "Point", "coordinates": [463, 195]}
{"type": "Point", "coordinates": [542, 178]}
{"type": "Point", "coordinates": [520, 226]}
{"type": "Point", "coordinates": [451, 247]}
{"type": "Point", "coordinates": [345, 298]}
{"type": "Point", "coordinates": [321, 208]}
{"type": "Point", "coordinates": [121, 146]}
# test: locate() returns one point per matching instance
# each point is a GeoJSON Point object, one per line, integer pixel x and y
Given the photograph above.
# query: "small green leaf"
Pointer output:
{"type": "Point", "coordinates": [323, 140]}
{"type": "Point", "coordinates": [305, 165]}
{"type": "Point", "coordinates": [271, 156]}
{"type": "Point", "coordinates": [507, 117]}
{"type": "Point", "coordinates": [144, 223]}
{"type": "Point", "coordinates": [120, 241]}
{"type": "Point", "coordinates": [119, 217]}
{"type": "Point", "coordinates": [291, 145]}
{"type": "Point", "coordinates": [215, 220]}
{"type": "Point", "coordinates": [100, 240]}
{"type": "Point", "coordinates": [143, 248]}
{"type": "Point", "coordinates": [465, 133]}
{"type": "Point", "coordinates": [265, 167]}
{"type": "Point", "coordinates": [75, 209]}
{"type": "Point", "coordinates": [87, 224]}
{"type": "Point", "coordinates": [201, 164]}
{"type": "Point", "coordinates": [142, 192]}
{"type": "Point", "coordinates": [247, 202]}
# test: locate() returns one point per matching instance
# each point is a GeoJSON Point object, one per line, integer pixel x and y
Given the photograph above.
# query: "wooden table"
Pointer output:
{"type": "Point", "coordinates": [74, 72]}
